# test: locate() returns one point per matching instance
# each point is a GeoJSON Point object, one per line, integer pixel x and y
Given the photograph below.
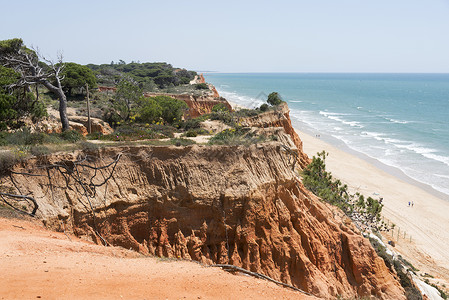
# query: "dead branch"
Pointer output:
{"type": "Point", "coordinates": [230, 268]}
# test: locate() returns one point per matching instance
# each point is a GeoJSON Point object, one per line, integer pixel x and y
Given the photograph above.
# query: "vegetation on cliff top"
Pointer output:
{"type": "Point", "coordinates": [366, 213]}
{"type": "Point", "coordinates": [149, 76]}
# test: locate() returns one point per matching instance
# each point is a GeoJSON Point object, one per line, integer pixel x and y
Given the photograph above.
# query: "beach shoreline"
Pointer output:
{"type": "Point", "coordinates": [419, 234]}
{"type": "Point", "coordinates": [394, 171]}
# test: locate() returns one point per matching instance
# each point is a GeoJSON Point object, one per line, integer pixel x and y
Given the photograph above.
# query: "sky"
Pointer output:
{"type": "Point", "coordinates": [393, 36]}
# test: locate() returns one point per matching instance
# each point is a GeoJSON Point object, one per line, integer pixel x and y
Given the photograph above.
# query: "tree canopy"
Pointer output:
{"type": "Point", "coordinates": [16, 56]}
{"type": "Point", "coordinates": [147, 75]}
{"type": "Point", "coordinates": [274, 99]}
{"type": "Point", "coordinates": [77, 76]}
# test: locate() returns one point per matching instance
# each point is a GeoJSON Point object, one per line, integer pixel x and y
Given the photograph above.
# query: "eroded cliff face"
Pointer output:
{"type": "Point", "coordinates": [279, 117]}
{"type": "Point", "coordinates": [214, 204]}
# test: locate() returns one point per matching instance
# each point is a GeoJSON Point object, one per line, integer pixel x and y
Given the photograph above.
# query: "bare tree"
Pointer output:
{"type": "Point", "coordinates": [26, 62]}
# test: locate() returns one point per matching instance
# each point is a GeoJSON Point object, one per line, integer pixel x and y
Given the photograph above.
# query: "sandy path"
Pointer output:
{"type": "Point", "coordinates": [427, 222]}
{"type": "Point", "coordinates": [36, 263]}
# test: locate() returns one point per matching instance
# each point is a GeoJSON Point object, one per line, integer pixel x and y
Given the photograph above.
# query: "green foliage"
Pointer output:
{"type": "Point", "coordinates": [76, 76]}
{"type": "Point", "coordinates": [147, 75]}
{"type": "Point", "coordinates": [7, 160]}
{"type": "Point", "coordinates": [365, 212]}
{"type": "Point", "coordinates": [182, 142]}
{"type": "Point", "coordinates": [220, 107]}
{"type": "Point", "coordinates": [16, 103]}
{"type": "Point", "coordinates": [39, 150]}
{"type": "Point", "coordinates": [150, 111]}
{"type": "Point", "coordinates": [201, 86]}
{"type": "Point", "coordinates": [191, 124]}
{"type": "Point", "coordinates": [244, 112]}
{"type": "Point", "coordinates": [224, 116]}
{"type": "Point", "coordinates": [191, 133]}
{"type": "Point", "coordinates": [71, 136]}
{"type": "Point", "coordinates": [24, 137]}
{"type": "Point", "coordinates": [274, 99]}
{"type": "Point", "coordinates": [381, 251]}
{"type": "Point", "coordinates": [264, 107]}
{"type": "Point", "coordinates": [236, 136]}
{"type": "Point", "coordinates": [127, 96]}
{"type": "Point", "coordinates": [172, 109]}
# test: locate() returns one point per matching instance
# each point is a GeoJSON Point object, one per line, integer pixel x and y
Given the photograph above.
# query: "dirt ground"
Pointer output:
{"type": "Point", "coordinates": [39, 264]}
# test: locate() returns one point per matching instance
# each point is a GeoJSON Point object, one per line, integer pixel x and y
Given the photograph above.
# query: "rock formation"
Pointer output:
{"type": "Point", "coordinates": [215, 204]}
{"type": "Point", "coordinates": [97, 125]}
{"type": "Point", "coordinates": [278, 117]}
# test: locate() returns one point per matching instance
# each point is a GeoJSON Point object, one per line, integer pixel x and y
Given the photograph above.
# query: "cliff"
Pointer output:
{"type": "Point", "coordinates": [214, 204]}
{"type": "Point", "coordinates": [278, 117]}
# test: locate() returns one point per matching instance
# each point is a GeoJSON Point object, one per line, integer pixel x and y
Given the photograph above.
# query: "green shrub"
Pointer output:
{"type": "Point", "coordinates": [150, 111]}
{"type": "Point", "coordinates": [274, 99]}
{"type": "Point", "coordinates": [87, 146]}
{"type": "Point", "coordinates": [172, 109]}
{"type": "Point", "coordinates": [182, 142]}
{"type": "Point", "coordinates": [219, 107]}
{"type": "Point", "coordinates": [201, 86]}
{"type": "Point", "coordinates": [264, 107]}
{"type": "Point", "coordinates": [7, 160]}
{"type": "Point", "coordinates": [39, 150]}
{"type": "Point", "coordinates": [243, 113]}
{"type": "Point", "coordinates": [236, 136]}
{"type": "Point", "coordinates": [224, 116]}
{"type": "Point", "coordinates": [72, 136]}
{"type": "Point", "coordinates": [191, 133]}
{"type": "Point", "coordinates": [191, 124]}
{"type": "Point", "coordinates": [366, 213]}
{"type": "Point", "coordinates": [165, 130]}
{"type": "Point", "coordinates": [25, 137]}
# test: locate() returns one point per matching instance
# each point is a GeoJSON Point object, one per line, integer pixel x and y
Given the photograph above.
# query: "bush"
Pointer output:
{"type": "Point", "coordinates": [191, 124]}
{"type": "Point", "coordinates": [219, 107]}
{"type": "Point", "coordinates": [39, 150]}
{"type": "Point", "coordinates": [172, 109]}
{"type": "Point", "coordinates": [274, 99]}
{"type": "Point", "coordinates": [182, 142]}
{"type": "Point", "coordinates": [246, 113]}
{"type": "Point", "coordinates": [201, 86]}
{"type": "Point", "coordinates": [72, 136]}
{"type": "Point", "coordinates": [236, 136]}
{"type": "Point", "coordinates": [366, 213]}
{"type": "Point", "coordinates": [25, 137]}
{"type": "Point", "coordinates": [191, 133]}
{"type": "Point", "coordinates": [87, 146]}
{"type": "Point", "coordinates": [224, 116]}
{"type": "Point", "coordinates": [112, 117]}
{"type": "Point", "coordinates": [150, 112]}
{"type": "Point", "coordinates": [7, 160]}
{"type": "Point", "coordinates": [264, 107]}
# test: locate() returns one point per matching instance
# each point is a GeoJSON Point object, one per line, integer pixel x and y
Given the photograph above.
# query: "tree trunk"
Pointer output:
{"type": "Point", "coordinates": [62, 103]}
{"type": "Point", "coordinates": [63, 110]}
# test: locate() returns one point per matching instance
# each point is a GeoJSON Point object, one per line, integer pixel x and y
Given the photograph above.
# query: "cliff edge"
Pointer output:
{"type": "Point", "coordinates": [237, 205]}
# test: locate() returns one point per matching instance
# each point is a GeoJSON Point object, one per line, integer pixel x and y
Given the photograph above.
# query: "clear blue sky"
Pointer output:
{"type": "Point", "coordinates": [240, 36]}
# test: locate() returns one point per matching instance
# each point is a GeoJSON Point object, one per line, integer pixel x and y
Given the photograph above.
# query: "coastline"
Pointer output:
{"type": "Point", "coordinates": [424, 225]}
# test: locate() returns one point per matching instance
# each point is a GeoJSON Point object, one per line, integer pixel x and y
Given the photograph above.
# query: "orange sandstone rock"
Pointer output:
{"type": "Point", "coordinates": [217, 204]}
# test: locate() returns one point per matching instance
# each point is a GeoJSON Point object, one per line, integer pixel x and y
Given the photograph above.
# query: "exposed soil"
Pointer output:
{"type": "Point", "coordinates": [37, 263]}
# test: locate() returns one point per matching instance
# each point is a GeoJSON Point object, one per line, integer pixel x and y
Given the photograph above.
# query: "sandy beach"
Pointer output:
{"type": "Point", "coordinates": [425, 225]}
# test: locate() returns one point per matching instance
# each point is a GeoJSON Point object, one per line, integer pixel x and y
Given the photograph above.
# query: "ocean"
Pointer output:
{"type": "Point", "coordinates": [400, 120]}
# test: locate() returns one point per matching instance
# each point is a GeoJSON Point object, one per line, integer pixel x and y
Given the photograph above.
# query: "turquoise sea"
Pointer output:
{"type": "Point", "coordinates": [401, 120]}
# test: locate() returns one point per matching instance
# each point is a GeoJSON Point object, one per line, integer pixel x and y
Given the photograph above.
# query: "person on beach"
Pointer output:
{"type": "Point", "coordinates": [412, 203]}
{"type": "Point", "coordinates": [409, 204]}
